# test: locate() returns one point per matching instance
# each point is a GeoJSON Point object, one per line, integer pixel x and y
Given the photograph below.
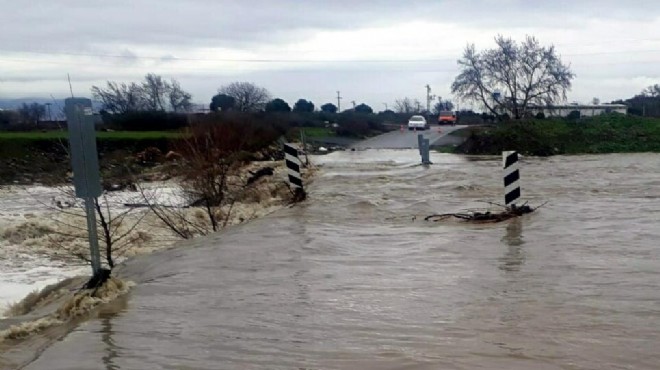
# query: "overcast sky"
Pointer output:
{"type": "Point", "coordinates": [371, 51]}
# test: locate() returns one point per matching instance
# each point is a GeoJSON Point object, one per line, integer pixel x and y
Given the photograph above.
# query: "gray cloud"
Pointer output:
{"type": "Point", "coordinates": [168, 30]}
{"type": "Point", "coordinates": [83, 25]}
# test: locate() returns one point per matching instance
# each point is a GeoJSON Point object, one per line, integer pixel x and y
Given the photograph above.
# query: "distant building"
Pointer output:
{"type": "Point", "coordinates": [199, 109]}
{"type": "Point", "coordinates": [583, 109]}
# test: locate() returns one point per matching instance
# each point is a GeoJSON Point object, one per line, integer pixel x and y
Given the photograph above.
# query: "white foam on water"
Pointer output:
{"type": "Point", "coordinates": [23, 273]}
{"type": "Point", "coordinates": [27, 215]}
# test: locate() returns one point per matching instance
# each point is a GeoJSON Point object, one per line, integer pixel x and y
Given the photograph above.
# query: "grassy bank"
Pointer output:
{"type": "Point", "coordinates": [544, 137]}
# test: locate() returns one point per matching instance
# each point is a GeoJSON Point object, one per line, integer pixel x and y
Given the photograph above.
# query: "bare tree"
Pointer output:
{"type": "Point", "coordinates": [405, 105]}
{"type": "Point", "coordinates": [418, 106]}
{"type": "Point", "coordinates": [408, 106]}
{"type": "Point", "coordinates": [155, 91]}
{"type": "Point", "coordinates": [208, 169]}
{"type": "Point", "coordinates": [117, 225]}
{"type": "Point", "coordinates": [117, 229]}
{"type": "Point", "coordinates": [512, 77]}
{"type": "Point", "coordinates": [120, 98]}
{"type": "Point", "coordinates": [652, 91]}
{"type": "Point", "coordinates": [180, 101]}
{"type": "Point", "coordinates": [153, 94]}
{"type": "Point", "coordinates": [442, 105]}
{"type": "Point", "coordinates": [208, 176]}
{"type": "Point", "coordinates": [32, 113]}
{"type": "Point", "coordinates": [248, 96]}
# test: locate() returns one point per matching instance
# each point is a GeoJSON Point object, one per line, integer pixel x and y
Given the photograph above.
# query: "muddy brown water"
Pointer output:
{"type": "Point", "coordinates": [348, 280]}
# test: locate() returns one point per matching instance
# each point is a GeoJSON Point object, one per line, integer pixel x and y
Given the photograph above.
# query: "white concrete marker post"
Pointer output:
{"type": "Point", "coordinates": [424, 149]}
{"type": "Point", "coordinates": [426, 154]}
{"type": "Point", "coordinates": [85, 164]}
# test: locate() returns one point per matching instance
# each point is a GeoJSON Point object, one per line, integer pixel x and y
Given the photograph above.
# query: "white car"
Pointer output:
{"type": "Point", "coordinates": [417, 122]}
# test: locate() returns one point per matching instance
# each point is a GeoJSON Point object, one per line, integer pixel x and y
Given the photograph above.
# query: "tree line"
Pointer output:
{"type": "Point", "coordinates": [27, 115]}
{"type": "Point", "coordinates": [646, 103]}
{"type": "Point", "coordinates": [248, 97]}
{"type": "Point", "coordinates": [154, 92]}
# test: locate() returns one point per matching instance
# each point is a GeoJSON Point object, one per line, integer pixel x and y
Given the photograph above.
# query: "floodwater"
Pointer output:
{"type": "Point", "coordinates": [26, 217]}
{"type": "Point", "coordinates": [355, 279]}
{"type": "Point", "coordinates": [21, 271]}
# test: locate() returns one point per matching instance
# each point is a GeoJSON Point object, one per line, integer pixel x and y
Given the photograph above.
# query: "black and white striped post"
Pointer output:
{"type": "Point", "coordinates": [293, 165]}
{"type": "Point", "coordinates": [511, 177]}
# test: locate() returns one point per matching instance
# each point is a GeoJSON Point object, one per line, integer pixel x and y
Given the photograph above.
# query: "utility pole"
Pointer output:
{"type": "Point", "coordinates": [50, 119]}
{"type": "Point", "coordinates": [338, 102]}
{"type": "Point", "coordinates": [428, 99]}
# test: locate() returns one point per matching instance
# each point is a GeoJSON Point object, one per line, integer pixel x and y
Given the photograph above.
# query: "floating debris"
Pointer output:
{"type": "Point", "coordinates": [486, 216]}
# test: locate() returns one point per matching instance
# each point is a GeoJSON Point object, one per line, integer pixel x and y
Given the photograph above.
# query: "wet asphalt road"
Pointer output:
{"type": "Point", "coordinates": [437, 135]}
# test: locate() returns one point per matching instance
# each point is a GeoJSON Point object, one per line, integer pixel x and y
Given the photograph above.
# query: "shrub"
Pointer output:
{"type": "Point", "coordinates": [354, 124]}
{"type": "Point", "coordinates": [145, 121]}
{"type": "Point", "coordinates": [601, 134]}
{"type": "Point", "coordinates": [573, 115]}
{"type": "Point", "coordinates": [237, 131]}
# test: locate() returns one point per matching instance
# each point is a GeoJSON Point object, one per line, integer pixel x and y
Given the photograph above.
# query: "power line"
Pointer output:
{"type": "Point", "coordinates": [408, 66]}
{"type": "Point", "coordinates": [298, 51]}
{"type": "Point", "coordinates": [167, 59]}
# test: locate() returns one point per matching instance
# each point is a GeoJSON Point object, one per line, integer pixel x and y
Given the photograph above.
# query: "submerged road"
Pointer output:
{"type": "Point", "coordinates": [351, 279]}
{"type": "Point", "coordinates": [437, 135]}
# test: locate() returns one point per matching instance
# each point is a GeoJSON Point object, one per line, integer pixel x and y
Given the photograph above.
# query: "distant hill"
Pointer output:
{"type": "Point", "coordinates": [56, 105]}
{"type": "Point", "coordinates": [15, 103]}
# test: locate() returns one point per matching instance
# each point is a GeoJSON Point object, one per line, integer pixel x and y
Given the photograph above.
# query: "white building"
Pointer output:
{"type": "Point", "coordinates": [584, 109]}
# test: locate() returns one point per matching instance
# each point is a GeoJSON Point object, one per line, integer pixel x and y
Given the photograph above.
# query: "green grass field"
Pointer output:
{"type": "Point", "coordinates": [38, 135]}
{"type": "Point", "coordinates": [462, 132]}
{"type": "Point", "coordinates": [612, 133]}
